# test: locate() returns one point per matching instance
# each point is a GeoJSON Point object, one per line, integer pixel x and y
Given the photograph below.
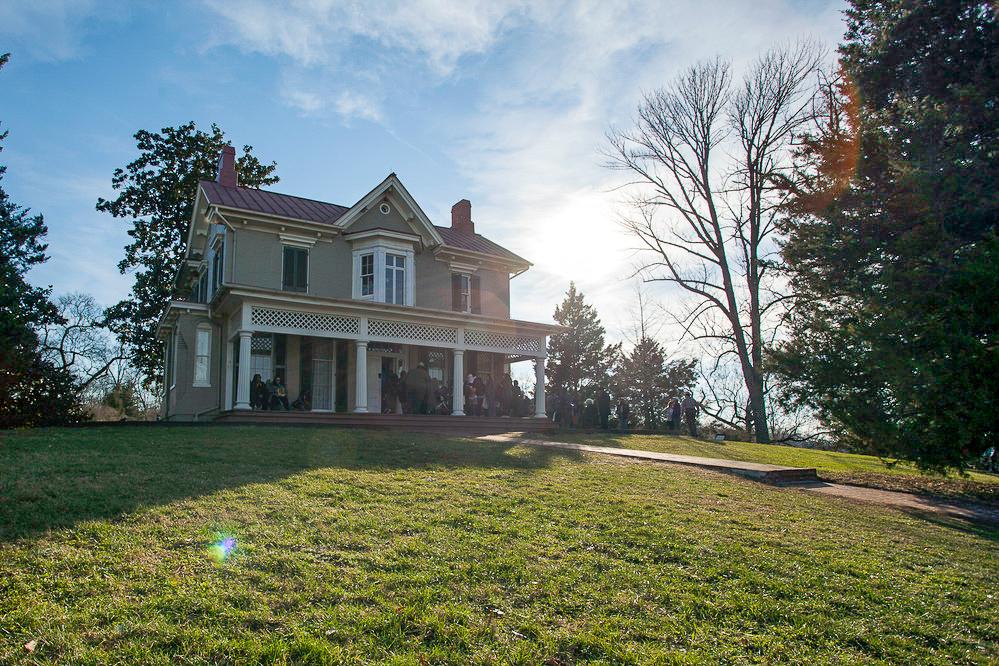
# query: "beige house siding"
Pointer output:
{"type": "Point", "coordinates": [257, 262]}
{"type": "Point", "coordinates": [187, 401]}
{"type": "Point", "coordinates": [374, 219]}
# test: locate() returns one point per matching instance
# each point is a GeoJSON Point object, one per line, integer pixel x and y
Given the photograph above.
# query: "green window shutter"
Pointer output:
{"type": "Point", "coordinates": [295, 274]}
{"type": "Point", "coordinates": [476, 295]}
{"type": "Point", "coordinates": [302, 270]}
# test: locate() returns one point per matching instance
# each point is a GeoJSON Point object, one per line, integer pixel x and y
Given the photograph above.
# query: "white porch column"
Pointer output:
{"type": "Point", "coordinates": [458, 391]}
{"type": "Point", "coordinates": [539, 388]}
{"type": "Point", "coordinates": [361, 378]}
{"type": "Point", "coordinates": [243, 380]}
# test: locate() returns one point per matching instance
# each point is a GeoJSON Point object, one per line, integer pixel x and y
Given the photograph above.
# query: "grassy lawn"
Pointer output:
{"type": "Point", "coordinates": [832, 466]}
{"type": "Point", "coordinates": [353, 546]}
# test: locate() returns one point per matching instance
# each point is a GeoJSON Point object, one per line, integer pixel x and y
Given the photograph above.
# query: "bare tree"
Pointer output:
{"type": "Point", "coordinates": [706, 157]}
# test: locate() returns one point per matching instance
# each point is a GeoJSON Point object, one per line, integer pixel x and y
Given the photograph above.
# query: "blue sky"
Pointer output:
{"type": "Point", "coordinates": [505, 103]}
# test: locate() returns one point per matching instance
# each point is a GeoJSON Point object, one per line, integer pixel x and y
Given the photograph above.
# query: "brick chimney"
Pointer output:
{"type": "Point", "coordinates": [227, 168]}
{"type": "Point", "coordinates": [461, 217]}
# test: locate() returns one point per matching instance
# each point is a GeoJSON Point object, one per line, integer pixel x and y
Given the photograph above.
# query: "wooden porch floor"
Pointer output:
{"type": "Point", "coordinates": [456, 425]}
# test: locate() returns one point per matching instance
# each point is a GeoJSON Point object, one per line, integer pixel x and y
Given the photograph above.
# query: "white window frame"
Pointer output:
{"type": "Point", "coordinates": [218, 250]}
{"type": "Point", "coordinates": [380, 247]}
{"type": "Point", "coordinates": [203, 332]}
{"type": "Point", "coordinates": [393, 270]}
{"type": "Point", "coordinates": [361, 275]}
{"type": "Point", "coordinates": [465, 292]}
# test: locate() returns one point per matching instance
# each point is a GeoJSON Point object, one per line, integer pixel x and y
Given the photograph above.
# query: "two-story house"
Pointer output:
{"type": "Point", "coordinates": [335, 298]}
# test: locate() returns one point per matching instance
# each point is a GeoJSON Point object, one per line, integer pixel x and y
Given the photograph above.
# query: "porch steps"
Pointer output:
{"type": "Point", "coordinates": [451, 425]}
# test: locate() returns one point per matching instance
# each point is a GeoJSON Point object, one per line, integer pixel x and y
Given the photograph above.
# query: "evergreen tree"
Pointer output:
{"type": "Point", "coordinates": [156, 195]}
{"type": "Point", "coordinates": [895, 334]}
{"type": "Point", "coordinates": [32, 390]}
{"type": "Point", "coordinates": [647, 381]}
{"type": "Point", "coordinates": [578, 359]}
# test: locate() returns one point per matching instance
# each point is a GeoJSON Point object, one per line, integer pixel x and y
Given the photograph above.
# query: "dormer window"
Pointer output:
{"type": "Point", "coordinates": [384, 266]}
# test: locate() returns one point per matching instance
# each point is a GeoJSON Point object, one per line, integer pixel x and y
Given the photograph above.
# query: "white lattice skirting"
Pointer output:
{"type": "Point", "coordinates": [401, 330]}
{"type": "Point", "coordinates": [395, 331]}
{"type": "Point", "coordinates": [305, 321]}
{"type": "Point", "coordinates": [520, 343]}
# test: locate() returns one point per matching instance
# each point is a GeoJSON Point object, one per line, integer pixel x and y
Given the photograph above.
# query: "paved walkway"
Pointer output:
{"type": "Point", "coordinates": [801, 478]}
{"type": "Point", "coordinates": [775, 474]}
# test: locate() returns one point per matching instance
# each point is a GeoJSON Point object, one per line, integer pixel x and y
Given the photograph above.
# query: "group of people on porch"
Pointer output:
{"type": "Point", "coordinates": [595, 412]}
{"type": "Point", "coordinates": [415, 392]}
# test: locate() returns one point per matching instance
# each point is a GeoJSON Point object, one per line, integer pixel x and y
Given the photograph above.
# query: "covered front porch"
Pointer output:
{"type": "Point", "coordinates": [348, 357]}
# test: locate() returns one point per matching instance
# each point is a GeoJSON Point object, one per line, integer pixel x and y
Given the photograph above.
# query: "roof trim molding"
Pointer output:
{"type": "Point", "coordinates": [479, 258]}
{"type": "Point", "coordinates": [391, 185]}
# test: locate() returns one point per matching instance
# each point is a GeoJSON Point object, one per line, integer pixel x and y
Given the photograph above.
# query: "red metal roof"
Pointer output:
{"type": "Point", "coordinates": [299, 208]}
{"type": "Point", "coordinates": [272, 203]}
{"type": "Point", "coordinates": [476, 243]}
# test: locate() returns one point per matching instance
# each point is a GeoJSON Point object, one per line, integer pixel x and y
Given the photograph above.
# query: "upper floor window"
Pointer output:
{"type": "Point", "coordinates": [461, 292]}
{"type": "Point", "coordinates": [202, 355]}
{"type": "Point", "coordinates": [384, 274]}
{"type": "Point", "coordinates": [295, 274]}
{"type": "Point", "coordinates": [395, 279]}
{"type": "Point", "coordinates": [466, 294]}
{"type": "Point", "coordinates": [367, 275]}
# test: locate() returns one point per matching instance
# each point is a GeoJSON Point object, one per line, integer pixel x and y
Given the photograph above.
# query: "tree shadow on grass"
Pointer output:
{"type": "Point", "coordinates": [56, 478]}
{"type": "Point", "coordinates": [981, 522]}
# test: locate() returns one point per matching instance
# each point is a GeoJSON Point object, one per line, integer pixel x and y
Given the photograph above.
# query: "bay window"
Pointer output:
{"type": "Point", "coordinates": [383, 272]}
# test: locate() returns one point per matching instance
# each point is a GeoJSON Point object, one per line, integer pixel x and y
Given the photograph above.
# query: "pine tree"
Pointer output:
{"type": "Point", "coordinates": [895, 332]}
{"type": "Point", "coordinates": [647, 381]}
{"type": "Point", "coordinates": [578, 359]}
{"type": "Point", "coordinates": [156, 196]}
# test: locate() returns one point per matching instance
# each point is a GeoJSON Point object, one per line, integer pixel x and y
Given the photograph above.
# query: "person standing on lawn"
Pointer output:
{"type": "Point", "coordinates": [689, 406]}
{"type": "Point", "coordinates": [623, 412]}
{"type": "Point", "coordinates": [674, 415]}
{"type": "Point", "coordinates": [603, 408]}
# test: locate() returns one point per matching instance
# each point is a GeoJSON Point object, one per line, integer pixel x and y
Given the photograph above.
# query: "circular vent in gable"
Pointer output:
{"type": "Point", "coordinates": [385, 208]}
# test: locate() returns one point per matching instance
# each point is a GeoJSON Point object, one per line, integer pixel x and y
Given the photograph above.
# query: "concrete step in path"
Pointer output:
{"type": "Point", "coordinates": [773, 474]}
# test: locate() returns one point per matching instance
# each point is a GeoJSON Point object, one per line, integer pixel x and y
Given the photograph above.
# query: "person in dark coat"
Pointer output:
{"type": "Point", "coordinates": [604, 408]}
{"type": "Point", "coordinates": [258, 393]}
{"type": "Point", "coordinates": [480, 395]}
{"type": "Point", "coordinates": [518, 399]}
{"type": "Point", "coordinates": [689, 406]}
{"type": "Point", "coordinates": [504, 396]}
{"type": "Point", "coordinates": [390, 392]}
{"type": "Point", "coordinates": [564, 410]}
{"type": "Point", "coordinates": [674, 414]}
{"type": "Point", "coordinates": [418, 389]}
{"type": "Point", "coordinates": [623, 413]}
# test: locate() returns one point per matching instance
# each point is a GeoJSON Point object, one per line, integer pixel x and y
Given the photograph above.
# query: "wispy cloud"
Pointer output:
{"type": "Point", "coordinates": [312, 32]}
{"type": "Point", "coordinates": [50, 30]}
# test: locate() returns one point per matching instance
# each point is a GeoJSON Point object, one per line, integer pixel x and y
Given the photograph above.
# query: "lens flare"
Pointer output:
{"type": "Point", "coordinates": [222, 549]}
